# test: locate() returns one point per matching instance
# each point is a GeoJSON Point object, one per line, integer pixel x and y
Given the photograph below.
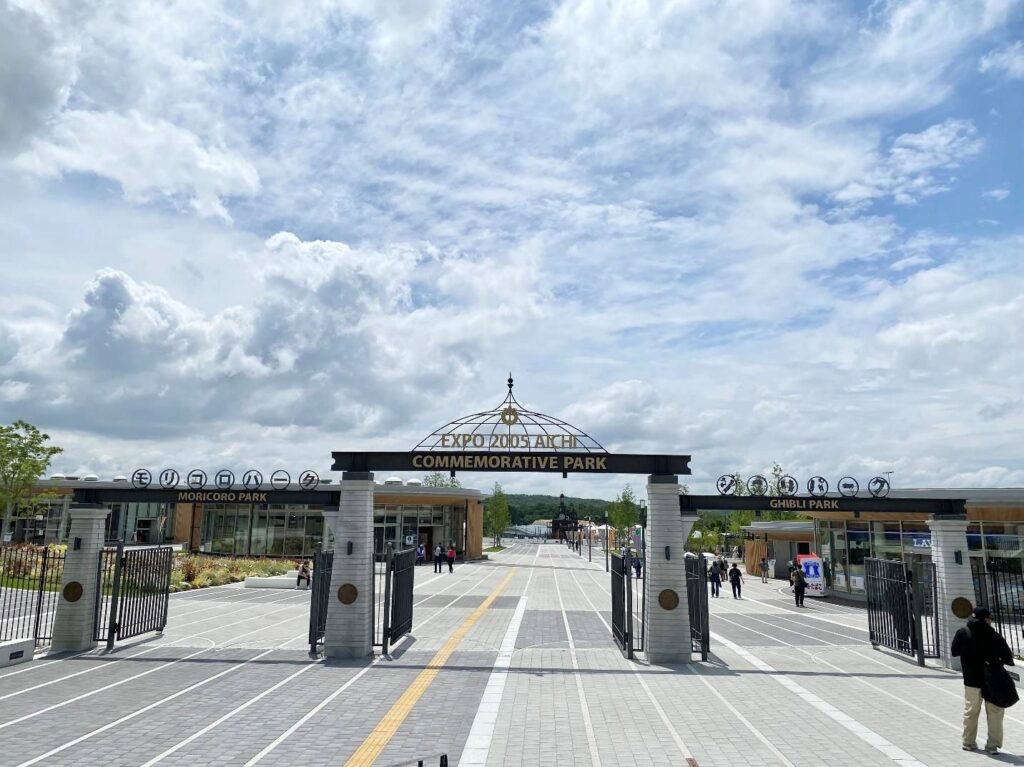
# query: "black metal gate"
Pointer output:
{"type": "Point", "coordinates": [622, 604]}
{"type": "Point", "coordinates": [30, 578]}
{"type": "Point", "coordinates": [697, 600]}
{"type": "Point", "coordinates": [319, 598]}
{"type": "Point", "coordinates": [134, 592]}
{"type": "Point", "coordinates": [392, 600]}
{"type": "Point", "coordinates": [902, 603]}
{"type": "Point", "coordinates": [1002, 592]}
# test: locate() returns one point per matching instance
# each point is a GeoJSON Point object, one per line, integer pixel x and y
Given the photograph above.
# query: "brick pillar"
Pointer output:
{"type": "Point", "coordinates": [349, 631]}
{"type": "Point", "coordinates": [668, 630]}
{"type": "Point", "coordinates": [74, 619]}
{"type": "Point", "coordinates": [952, 579]}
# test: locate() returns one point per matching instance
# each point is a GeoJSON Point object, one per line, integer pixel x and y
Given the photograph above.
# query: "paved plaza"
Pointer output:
{"type": "Point", "coordinates": [510, 662]}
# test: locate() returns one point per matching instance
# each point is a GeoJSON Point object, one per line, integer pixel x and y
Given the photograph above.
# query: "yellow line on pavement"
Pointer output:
{"type": "Point", "coordinates": [388, 726]}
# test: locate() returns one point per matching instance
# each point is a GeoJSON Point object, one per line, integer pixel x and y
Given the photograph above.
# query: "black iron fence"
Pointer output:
{"type": "Point", "coordinates": [320, 598]}
{"type": "Point", "coordinates": [30, 578]}
{"type": "Point", "coordinates": [697, 602]}
{"type": "Point", "coordinates": [1002, 592]}
{"type": "Point", "coordinates": [902, 603]}
{"type": "Point", "coordinates": [139, 592]}
{"type": "Point", "coordinates": [622, 604]}
{"type": "Point", "coordinates": [393, 582]}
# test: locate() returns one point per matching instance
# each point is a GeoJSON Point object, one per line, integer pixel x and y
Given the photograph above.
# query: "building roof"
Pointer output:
{"type": "Point", "coordinates": [781, 526]}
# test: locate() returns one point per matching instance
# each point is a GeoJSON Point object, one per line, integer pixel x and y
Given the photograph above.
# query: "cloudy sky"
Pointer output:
{"type": "Point", "coordinates": [247, 234]}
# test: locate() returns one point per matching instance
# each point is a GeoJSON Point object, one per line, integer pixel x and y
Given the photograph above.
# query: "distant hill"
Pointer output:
{"type": "Point", "coordinates": [524, 508]}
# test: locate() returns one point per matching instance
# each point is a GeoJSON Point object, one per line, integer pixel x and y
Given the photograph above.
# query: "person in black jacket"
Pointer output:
{"type": "Point", "coordinates": [978, 645]}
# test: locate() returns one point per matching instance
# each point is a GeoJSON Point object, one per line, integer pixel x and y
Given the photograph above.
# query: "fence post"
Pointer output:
{"type": "Point", "coordinates": [667, 634]}
{"type": "Point", "coordinates": [75, 616]}
{"type": "Point", "coordinates": [39, 593]}
{"type": "Point", "coordinates": [627, 567]}
{"type": "Point", "coordinates": [918, 585]}
{"type": "Point", "coordinates": [389, 558]}
{"type": "Point", "coordinates": [115, 593]}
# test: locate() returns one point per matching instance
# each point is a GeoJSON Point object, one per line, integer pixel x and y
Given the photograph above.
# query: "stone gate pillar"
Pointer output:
{"type": "Point", "coordinates": [668, 617]}
{"type": "Point", "coordinates": [74, 620]}
{"type": "Point", "coordinates": [349, 632]}
{"type": "Point", "coordinates": [952, 579]}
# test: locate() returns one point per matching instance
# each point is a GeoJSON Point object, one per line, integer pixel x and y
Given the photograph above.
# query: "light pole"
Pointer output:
{"type": "Point", "coordinates": [605, 523]}
{"type": "Point", "coordinates": [590, 538]}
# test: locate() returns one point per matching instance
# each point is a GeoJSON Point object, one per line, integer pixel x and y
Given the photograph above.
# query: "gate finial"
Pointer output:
{"type": "Point", "coordinates": [510, 381]}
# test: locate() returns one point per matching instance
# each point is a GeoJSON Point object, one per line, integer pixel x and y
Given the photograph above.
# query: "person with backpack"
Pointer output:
{"type": "Point", "coordinates": [420, 554]}
{"type": "Point", "coordinates": [764, 570]}
{"type": "Point", "coordinates": [799, 585]}
{"type": "Point", "coordinates": [736, 579]}
{"type": "Point", "coordinates": [715, 578]}
{"type": "Point", "coordinates": [451, 557]}
{"type": "Point", "coordinates": [438, 557]}
{"type": "Point", "coordinates": [303, 575]}
{"type": "Point", "coordinates": [983, 652]}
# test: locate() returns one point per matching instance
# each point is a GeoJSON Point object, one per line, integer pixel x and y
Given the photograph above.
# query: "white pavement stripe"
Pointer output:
{"type": "Point", "coordinates": [958, 695]}
{"type": "Point", "coordinates": [684, 750]}
{"type": "Point", "coordinates": [309, 715]}
{"type": "Point", "coordinates": [588, 724]}
{"type": "Point", "coordinates": [746, 722]}
{"type": "Point", "coordinates": [816, 658]}
{"type": "Point", "coordinates": [478, 744]}
{"type": "Point", "coordinates": [143, 710]}
{"type": "Point", "coordinates": [137, 676]}
{"type": "Point", "coordinates": [237, 710]}
{"type": "Point", "coordinates": [326, 701]}
{"type": "Point", "coordinates": [810, 613]}
{"type": "Point", "coordinates": [866, 734]}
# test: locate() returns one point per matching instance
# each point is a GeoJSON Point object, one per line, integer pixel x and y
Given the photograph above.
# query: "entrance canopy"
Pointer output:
{"type": "Point", "coordinates": [939, 507]}
{"type": "Point", "coordinates": [510, 437]}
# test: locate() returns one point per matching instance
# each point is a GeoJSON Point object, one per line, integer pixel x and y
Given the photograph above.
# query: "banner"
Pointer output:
{"type": "Point", "coordinates": [814, 573]}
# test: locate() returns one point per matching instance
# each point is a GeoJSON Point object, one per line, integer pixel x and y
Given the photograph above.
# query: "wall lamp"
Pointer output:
{"type": "Point", "coordinates": [348, 548]}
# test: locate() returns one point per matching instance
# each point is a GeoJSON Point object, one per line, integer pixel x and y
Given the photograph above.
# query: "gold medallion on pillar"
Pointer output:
{"type": "Point", "coordinates": [72, 591]}
{"type": "Point", "coordinates": [668, 599]}
{"type": "Point", "coordinates": [347, 593]}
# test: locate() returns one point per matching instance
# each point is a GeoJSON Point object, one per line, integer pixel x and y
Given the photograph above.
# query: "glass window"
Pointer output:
{"type": "Point", "coordinates": [276, 530]}
{"type": "Point", "coordinates": [1003, 544]}
{"type": "Point", "coordinates": [242, 515]}
{"type": "Point", "coordinates": [974, 539]}
{"type": "Point", "coordinates": [858, 543]}
{"type": "Point", "coordinates": [840, 574]}
{"type": "Point", "coordinates": [258, 541]}
{"type": "Point", "coordinates": [917, 540]}
{"type": "Point", "coordinates": [885, 540]}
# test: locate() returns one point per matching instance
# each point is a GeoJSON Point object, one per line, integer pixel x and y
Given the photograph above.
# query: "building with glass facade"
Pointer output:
{"type": "Point", "coordinates": [262, 522]}
{"type": "Point", "coordinates": [995, 535]}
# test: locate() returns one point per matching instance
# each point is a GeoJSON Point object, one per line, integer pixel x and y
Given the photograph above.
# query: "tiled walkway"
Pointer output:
{"type": "Point", "coordinates": [533, 678]}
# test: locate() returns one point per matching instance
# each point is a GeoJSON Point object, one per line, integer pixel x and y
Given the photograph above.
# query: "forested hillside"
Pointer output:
{"type": "Point", "coordinates": [527, 508]}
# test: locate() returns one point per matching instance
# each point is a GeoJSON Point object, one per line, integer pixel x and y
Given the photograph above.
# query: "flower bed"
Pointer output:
{"type": "Point", "coordinates": [197, 571]}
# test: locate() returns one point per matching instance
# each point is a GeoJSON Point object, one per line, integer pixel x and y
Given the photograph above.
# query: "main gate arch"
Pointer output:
{"type": "Point", "coordinates": [512, 438]}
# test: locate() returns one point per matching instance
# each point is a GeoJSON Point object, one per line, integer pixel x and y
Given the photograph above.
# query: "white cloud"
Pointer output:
{"type": "Point", "coordinates": [673, 222]}
{"type": "Point", "coordinates": [1007, 61]}
{"type": "Point", "coordinates": [146, 157]}
{"type": "Point", "coordinates": [36, 73]}
{"type": "Point", "coordinates": [998, 193]}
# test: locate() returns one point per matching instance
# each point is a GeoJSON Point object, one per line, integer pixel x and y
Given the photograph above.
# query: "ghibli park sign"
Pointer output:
{"type": "Point", "coordinates": [511, 438]}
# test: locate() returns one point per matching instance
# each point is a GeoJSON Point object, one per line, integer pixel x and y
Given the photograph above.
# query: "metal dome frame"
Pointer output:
{"type": "Point", "coordinates": [510, 428]}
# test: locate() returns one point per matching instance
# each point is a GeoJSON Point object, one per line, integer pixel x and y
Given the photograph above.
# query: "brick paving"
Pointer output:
{"type": "Point", "coordinates": [231, 683]}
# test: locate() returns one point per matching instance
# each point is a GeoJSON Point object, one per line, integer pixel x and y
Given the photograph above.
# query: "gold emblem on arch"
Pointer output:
{"type": "Point", "coordinates": [510, 416]}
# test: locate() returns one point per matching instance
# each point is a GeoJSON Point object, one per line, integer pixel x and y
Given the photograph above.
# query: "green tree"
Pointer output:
{"type": "Point", "coordinates": [25, 455]}
{"type": "Point", "coordinates": [624, 512]}
{"type": "Point", "coordinates": [438, 479]}
{"type": "Point", "coordinates": [496, 514]}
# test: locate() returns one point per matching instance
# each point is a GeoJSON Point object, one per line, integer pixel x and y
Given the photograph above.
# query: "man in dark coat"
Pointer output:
{"type": "Point", "coordinates": [978, 644]}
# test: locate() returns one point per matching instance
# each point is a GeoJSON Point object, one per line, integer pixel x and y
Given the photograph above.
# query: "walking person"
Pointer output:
{"type": "Point", "coordinates": [451, 557]}
{"type": "Point", "coordinates": [983, 652]}
{"type": "Point", "coordinates": [799, 586]}
{"type": "Point", "coordinates": [715, 576]}
{"type": "Point", "coordinates": [438, 557]}
{"type": "Point", "coordinates": [303, 574]}
{"type": "Point", "coordinates": [736, 579]}
{"type": "Point", "coordinates": [764, 569]}
{"type": "Point", "coordinates": [420, 554]}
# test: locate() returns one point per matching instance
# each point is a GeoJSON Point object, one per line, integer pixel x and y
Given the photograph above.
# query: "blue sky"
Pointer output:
{"type": "Point", "coordinates": [248, 234]}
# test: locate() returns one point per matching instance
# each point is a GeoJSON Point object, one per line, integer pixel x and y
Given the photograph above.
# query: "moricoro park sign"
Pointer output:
{"type": "Point", "coordinates": [511, 438]}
